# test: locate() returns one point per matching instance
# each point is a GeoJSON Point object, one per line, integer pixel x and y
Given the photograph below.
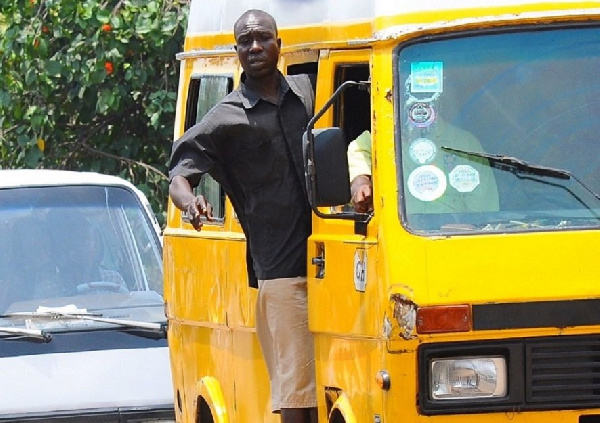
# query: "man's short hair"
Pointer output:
{"type": "Point", "coordinates": [257, 12]}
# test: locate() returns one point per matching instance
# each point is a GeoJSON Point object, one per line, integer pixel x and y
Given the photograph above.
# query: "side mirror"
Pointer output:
{"type": "Point", "coordinates": [326, 165]}
{"type": "Point", "coordinates": [331, 180]}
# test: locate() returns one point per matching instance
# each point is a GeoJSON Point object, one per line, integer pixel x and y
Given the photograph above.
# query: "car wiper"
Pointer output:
{"type": "Point", "coordinates": [50, 314]}
{"type": "Point", "coordinates": [22, 333]}
{"type": "Point", "coordinates": [515, 165]}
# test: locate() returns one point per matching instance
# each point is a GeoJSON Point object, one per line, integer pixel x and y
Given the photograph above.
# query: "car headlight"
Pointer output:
{"type": "Point", "coordinates": [468, 377]}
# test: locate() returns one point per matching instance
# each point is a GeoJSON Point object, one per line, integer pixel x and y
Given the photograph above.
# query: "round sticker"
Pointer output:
{"type": "Point", "coordinates": [421, 115]}
{"type": "Point", "coordinates": [422, 150]}
{"type": "Point", "coordinates": [464, 178]}
{"type": "Point", "coordinates": [427, 183]}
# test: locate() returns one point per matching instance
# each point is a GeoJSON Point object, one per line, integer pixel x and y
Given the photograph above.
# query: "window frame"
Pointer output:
{"type": "Point", "coordinates": [191, 118]}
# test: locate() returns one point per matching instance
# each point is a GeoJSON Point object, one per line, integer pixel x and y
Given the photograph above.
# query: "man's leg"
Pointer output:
{"type": "Point", "coordinates": [299, 415]}
{"type": "Point", "coordinates": [264, 332]}
{"type": "Point", "coordinates": [285, 301]}
{"type": "Point", "coordinates": [313, 415]}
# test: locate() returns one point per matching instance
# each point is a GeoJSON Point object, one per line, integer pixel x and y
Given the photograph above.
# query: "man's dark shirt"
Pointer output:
{"type": "Point", "coordinates": [245, 143]}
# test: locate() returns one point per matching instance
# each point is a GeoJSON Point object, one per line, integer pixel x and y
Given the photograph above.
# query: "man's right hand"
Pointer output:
{"type": "Point", "coordinates": [193, 207]}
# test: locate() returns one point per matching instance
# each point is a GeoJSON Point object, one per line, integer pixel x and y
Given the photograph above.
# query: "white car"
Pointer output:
{"type": "Point", "coordinates": [82, 323]}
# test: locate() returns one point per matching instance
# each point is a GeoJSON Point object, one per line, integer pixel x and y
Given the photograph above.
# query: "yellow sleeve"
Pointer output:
{"type": "Point", "coordinates": [359, 155]}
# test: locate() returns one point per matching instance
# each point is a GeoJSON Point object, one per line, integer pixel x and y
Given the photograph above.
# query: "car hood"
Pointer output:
{"type": "Point", "coordinates": [53, 382]}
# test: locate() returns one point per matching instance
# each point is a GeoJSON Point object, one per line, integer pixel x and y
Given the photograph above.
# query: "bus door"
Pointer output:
{"type": "Point", "coordinates": [343, 293]}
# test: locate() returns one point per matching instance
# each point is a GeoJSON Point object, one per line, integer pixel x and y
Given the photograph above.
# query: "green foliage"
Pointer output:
{"type": "Point", "coordinates": [90, 85]}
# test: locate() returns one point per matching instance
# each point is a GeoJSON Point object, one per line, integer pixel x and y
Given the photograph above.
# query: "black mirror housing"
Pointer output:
{"type": "Point", "coordinates": [331, 185]}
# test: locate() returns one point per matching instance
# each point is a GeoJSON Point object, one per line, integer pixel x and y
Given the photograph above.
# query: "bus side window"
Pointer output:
{"type": "Point", "coordinates": [204, 93]}
{"type": "Point", "coordinates": [352, 112]}
{"type": "Point", "coordinates": [307, 68]}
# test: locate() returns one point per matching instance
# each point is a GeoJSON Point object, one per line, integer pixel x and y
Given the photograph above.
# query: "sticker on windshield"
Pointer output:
{"type": "Point", "coordinates": [427, 183]}
{"type": "Point", "coordinates": [426, 77]}
{"type": "Point", "coordinates": [422, 150]}
{"type": "Point", "coordinates": [464, 178]}
{"type": "Point", "coordinates": [421, 115]}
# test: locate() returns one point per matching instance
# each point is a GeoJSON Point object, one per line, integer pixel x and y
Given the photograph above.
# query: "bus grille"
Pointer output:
{"type": "Point", "coordinates": [563, 370]}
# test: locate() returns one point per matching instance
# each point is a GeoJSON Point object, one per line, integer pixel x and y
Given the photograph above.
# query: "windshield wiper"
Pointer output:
{"type": "Point", "coordinates": [515, 165]}
{"type": "Point", "coordinates": [158, 328]}
{"type": "Point", "coordinates": [22, 333]}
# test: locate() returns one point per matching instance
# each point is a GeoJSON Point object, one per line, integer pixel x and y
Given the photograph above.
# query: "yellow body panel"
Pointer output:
{"type": "Point", "coordinates": [215, 356]}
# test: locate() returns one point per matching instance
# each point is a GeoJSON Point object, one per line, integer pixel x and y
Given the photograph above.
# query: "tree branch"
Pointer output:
{"type": "Point", "coordinates": [123, 159]}
{"type": "Point", "coordinates": [83, 139]}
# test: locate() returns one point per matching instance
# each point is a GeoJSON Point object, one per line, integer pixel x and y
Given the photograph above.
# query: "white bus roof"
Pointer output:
{"type": "Point", "coordinates": [208, 16]}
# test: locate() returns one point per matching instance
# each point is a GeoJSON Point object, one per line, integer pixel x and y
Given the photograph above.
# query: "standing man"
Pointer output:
{"type": "Point", "coordinates": [251, 143]}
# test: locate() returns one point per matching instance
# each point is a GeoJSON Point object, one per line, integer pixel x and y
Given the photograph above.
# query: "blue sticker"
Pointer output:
{"type": "Point", "coordinates": [426, 77]}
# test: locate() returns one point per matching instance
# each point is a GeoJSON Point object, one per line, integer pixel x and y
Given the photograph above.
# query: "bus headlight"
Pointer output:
{"type": "Point", "coordinates": [468, 377]}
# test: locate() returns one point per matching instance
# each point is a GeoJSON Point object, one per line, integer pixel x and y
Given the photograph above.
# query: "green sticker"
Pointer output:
{"type": "Point", "coordinates": [426, 77]}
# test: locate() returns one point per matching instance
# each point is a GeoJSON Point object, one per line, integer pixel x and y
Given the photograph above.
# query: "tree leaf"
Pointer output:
{"type": "Point", "coordinates": [53, 68]}
{"type": "Point", "coordinates": [103, 16]}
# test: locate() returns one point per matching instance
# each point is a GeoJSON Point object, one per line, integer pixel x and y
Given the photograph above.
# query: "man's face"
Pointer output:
{"type": "Point", "coordinates": [257, 45]}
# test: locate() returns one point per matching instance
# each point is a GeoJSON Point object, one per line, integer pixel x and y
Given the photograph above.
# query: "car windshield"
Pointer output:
{"type": "Point", "coordinates": [500, 131]}
{"type": "Point", "coordinates": [89, 248]}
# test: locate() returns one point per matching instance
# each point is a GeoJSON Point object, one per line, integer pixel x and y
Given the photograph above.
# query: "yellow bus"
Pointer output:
{"type": "Point", "coordinates": [472, 291]}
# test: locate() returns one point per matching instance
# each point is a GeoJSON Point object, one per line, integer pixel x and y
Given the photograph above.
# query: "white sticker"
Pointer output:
{"type": "Point", "coordinates": [427, 183]}
{"type": "Point", "coordinates": [360, 269]}
{"type": "Point", "coordinates": [464, 178]}
{"type": "Point", "coordinates": [422, 150]}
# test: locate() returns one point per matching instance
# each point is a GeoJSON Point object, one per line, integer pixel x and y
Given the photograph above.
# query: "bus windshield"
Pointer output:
{"type": "Point", "coordinates": [500, 131]}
